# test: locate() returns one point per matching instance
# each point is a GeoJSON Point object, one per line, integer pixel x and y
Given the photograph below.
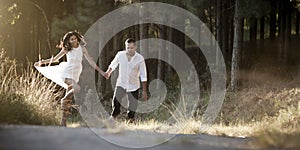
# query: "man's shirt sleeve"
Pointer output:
{"type": "Point", "coordinates": [115, 62]}
{"type": "Point", "coordinates": [143, 71]}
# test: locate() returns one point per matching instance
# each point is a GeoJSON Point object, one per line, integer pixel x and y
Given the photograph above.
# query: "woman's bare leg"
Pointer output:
{"type": "Point", "coordinates": [66, 102]}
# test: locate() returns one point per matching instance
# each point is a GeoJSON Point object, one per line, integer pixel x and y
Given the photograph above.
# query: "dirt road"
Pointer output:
{"type": "Point", "coordinates": [55, 138]}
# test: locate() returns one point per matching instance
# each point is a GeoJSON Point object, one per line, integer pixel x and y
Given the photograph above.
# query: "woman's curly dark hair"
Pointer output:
{"type": "Point", "coordinates": [66, 38]}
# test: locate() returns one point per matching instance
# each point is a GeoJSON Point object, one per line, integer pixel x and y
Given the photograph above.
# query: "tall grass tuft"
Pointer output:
{"type": "Point", "coordinates": [25, 96]}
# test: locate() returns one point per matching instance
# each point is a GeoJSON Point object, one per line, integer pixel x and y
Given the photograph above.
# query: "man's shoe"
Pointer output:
{"type": "Point", "coordinates": [110, 122]}
{"type": "Point", "coordinates": [130, 120]}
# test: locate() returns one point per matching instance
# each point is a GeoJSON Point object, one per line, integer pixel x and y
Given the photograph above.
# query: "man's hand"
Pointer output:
{"type": "Point", "coordinates": [106, 75]}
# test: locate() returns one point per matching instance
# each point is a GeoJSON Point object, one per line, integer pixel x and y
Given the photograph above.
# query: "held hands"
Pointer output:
{"type": "Point", "coordinates": [107, 73]}
{"type": "Point", "coordinates": [104, 74]}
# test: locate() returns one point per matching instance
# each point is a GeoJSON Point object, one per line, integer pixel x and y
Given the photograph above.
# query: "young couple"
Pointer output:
{"type": "Point", "coordinates": [131, 64]}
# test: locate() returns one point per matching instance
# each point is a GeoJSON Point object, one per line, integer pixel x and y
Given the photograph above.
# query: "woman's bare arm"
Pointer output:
{"type": "Point", "coordinates": [56, 58]}
{"type": "Point", "coordinates": [53, 59]}
{"type": "Point", "coordinates": [91, 62]}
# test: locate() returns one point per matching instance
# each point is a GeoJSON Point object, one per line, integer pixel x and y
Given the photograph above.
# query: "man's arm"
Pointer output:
{"type": "Point", "coordinates": [113, 65]}
{"type": "Point", "coordinates": [108, 72]}
{"type": "Point", "coordinates": [143, 76]}
{"type": "Point", "coordinates": [145, 96]}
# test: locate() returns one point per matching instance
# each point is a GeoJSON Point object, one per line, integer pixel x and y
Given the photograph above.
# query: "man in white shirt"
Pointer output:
{"type": "Point", "coordinates": [131, 67]}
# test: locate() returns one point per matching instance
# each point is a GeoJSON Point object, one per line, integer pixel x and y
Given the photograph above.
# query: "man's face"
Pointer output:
{"type": "Point", "coordinates": [130, 47]}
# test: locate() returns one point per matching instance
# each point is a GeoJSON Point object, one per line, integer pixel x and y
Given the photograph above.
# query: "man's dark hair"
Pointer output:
{"type": "Point", "coordinates": [130, 40]}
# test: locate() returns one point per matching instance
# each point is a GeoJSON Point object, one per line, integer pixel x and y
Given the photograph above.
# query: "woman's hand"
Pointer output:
{"type": "Point", "coordinates": [83, 41]}
{"type": "Point", "coordinates": [60, 45]}
{"type": "Point", "coordinates": [38, 64]}
{"type": "Point", "coordinates": [106, 75]}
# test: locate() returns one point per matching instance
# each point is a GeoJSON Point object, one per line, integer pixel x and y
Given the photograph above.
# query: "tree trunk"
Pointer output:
{"type": "Point", "coordinates": [262, 32]}
{"type": "Point", "coordinates": [211, 26]}
{"type": "Point", "coordinates": [47, 25]}
{"type": "Point", "coordinates": [225, 31]}
{"type": "Point", "coordinates": [297, 22]}
{"type": "Point", "coordinates": [22, 40]}
{"type": "Point", "coordinates": [201, 15]}
{"type": "Point", "coordinates": [178, 37]}
{"type": "Point", "coordinates": [219, 22]}
{"type": "Point", "coordinates": [116, 43]}
{"type": "Point", "coordinates": [214, 32]}
{"type": "Point", "coordinates": [169, 51]}
{"type": "Point", "coordinates": [287, 36]}
{"type": "Point", "coordinates": [137, 32]}
{"type": "Point", "coordinates": [237, 46]}
{"type": "Point", "coordinates": [143, 34]}
{"type": "Point", "coordinates": [273, 19]}
{"type": "Point", "coordinates": [253, 31]}
{"type": "Point", "coordinates": [35, 30]}
{"type": "Point", "coordinates": [282, 30]}
{"type": "Point", "coordinates": [161, 54]}
{"type": "Point", "coordinates": [231, 39]}
{"type": "Point", "coordinates": [282, 18]}
{"type": "Point", "coordinates": [288, 22]}
{"type": "Point", "coordinates": [13, 46]}
{"type": "Point", "coordinates": [133, 32]}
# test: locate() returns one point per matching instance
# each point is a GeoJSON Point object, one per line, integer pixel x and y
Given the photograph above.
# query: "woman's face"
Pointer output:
{"type": "Point", "coordinates": [74, 41]}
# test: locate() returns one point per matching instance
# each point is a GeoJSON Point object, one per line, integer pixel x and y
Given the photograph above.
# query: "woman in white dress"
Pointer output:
{"type": "Point", "coordinates": [66, 74]}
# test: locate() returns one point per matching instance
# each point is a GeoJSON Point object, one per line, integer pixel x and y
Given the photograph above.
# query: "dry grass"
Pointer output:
{"type": "Point", "coordinates": [26, 97]}
{"type": "Point", "coordinates": [270, 111]}
{"type": "Point", "coordinates": [268, 108]}
{"type": "Point", "coordinates": [279, 139]}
